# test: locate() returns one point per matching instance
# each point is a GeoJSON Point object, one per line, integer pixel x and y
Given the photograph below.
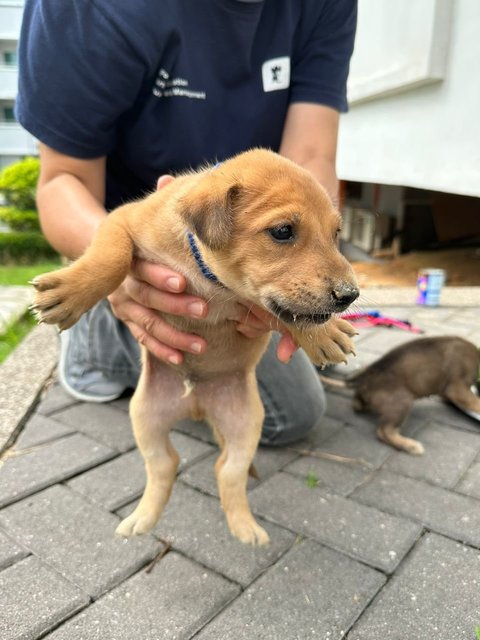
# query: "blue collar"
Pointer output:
{"type": "Point", "coordinates": [199, 260]}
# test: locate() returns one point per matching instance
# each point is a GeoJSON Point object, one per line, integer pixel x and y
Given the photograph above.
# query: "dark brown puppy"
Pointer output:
{"type": "Point", "coordinates": [444, 366]}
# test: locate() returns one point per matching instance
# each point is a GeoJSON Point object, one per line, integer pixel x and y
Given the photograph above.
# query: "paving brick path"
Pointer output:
{"type": "Point", "coordinates": [388, 548]}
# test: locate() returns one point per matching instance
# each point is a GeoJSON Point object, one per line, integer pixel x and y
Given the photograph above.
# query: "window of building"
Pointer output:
{"type": "Point", "coordinates": [7, 114]}
{"type": "Point", "coordinates": [9, 58]}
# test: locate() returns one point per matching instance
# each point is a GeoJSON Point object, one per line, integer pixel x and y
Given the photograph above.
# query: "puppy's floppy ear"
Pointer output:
{"type": "Point", "coordinates": [208, 211]}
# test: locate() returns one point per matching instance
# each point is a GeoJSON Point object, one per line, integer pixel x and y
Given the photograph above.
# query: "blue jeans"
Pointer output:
{"type": "Point", "coordinates": [292, 394]}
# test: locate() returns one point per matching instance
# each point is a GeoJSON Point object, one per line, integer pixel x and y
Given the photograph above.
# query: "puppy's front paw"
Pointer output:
{"type": "Point", "coordinates": [329, 343]}
{"type": "Point", "coordinates": [59, 299]}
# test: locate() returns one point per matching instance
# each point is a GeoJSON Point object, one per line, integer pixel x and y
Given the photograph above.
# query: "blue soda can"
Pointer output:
{"type": "Point", "coordinates": [429, 286]}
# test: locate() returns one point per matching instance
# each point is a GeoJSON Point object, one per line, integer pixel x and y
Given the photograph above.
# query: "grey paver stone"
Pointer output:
{"type": "Point", "coordinates": [376, 538]}
{"type": "Point", "coordinates": [202, 476]}
{"type": "Point", "coordinates": [171, 603]}
{"type": "Point", "coordinates": [267, 461]}
{"type": "Point", "coordinates": [470, 483]}
{"type": "Point", "coordinates": [76, 538]}
{"type": "Point", "coordinates": [381, 341]}
{"type": "Point", "coordinates": [195, 525]}
{"type": "Point", "coordinates": [313, 592]}
{"type": "Point", "coordinates": [122, 403]}
{"type": "Point", "coordinates": [325, 428]}
{"type": "Point", "coordinates": [40, 429]}
{"type": "Point", "coordinates": [448, 453]}
{"type": "Point", "coordinates": [120, 481]}
{"type": "Point", "coordinates": [358, 443]}
{"type": "Point", "coordinates": [34, 598]}
{"type": "Point", "coordinates": [114, 483]}
{"type": "Point", "coordinates": [189, 449]}
{"type": "Point", "coordinates": [37, 468]}
{"type": "Point", "coordinates": [433, 595]}
{"type": "Point", "coordinates": [9, 551]}
{"type": "Point", "coordinates": [342, 478]}
{"type": "Point", "coordinates": [22, 377]}
{"type": "Point", "coordinates": [100, 421]}
{"type": "Point", "coordinates": [55, 399]}
{"type": "Point", "coordinates": [444, 511]}
{"type": "Point", "coordinates": [436, 411]}
{"type": "Point", "coordinates": [199, 430]}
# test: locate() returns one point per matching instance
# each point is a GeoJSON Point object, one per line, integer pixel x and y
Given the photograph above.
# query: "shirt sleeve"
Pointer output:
{"type": "Point", "coordinates": [77, 75]}
{"type": "Point", "coordinates": [321, 63]}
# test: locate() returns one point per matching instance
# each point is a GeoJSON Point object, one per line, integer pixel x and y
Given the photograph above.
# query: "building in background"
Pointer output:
{"type": "Point", "coordinates": [15, 142]}
{"type": "Point", "coordinates": [409, 148]}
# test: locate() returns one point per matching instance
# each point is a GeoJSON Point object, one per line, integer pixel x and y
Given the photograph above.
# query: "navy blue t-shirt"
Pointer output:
{"type": "Point", "coordinates": [159, 86]}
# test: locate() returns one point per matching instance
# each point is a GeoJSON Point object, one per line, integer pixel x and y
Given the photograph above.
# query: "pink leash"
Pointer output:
{"type": "Point", "coordinates": [375, 318]}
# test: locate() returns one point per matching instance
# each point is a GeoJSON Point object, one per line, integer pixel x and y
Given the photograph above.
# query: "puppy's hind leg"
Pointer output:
{"type": "Point", "coordinates": [393, 410]}
{"type": "Point", "coordinates": [154, 410]}
{"type": "Point", "coordinates": [460, 394]}
{"type": "Point", "coordinates": [236, 411]}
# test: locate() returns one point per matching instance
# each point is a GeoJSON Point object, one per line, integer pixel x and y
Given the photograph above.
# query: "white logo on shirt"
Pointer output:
{"type": "Point", "coordinates": [276, 74]}
{"type": "Point", "coordinates": [167, 87]}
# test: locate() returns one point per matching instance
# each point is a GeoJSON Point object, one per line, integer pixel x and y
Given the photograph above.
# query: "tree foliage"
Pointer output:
{"type": "Point", "coordinates": [18, 183]}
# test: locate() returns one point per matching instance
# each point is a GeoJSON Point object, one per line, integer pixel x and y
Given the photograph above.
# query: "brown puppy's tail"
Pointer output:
{"type": "Point", "coordinates": [334, 382]}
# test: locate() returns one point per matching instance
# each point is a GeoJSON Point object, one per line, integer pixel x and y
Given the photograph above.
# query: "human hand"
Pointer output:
{"type": "Point", "coordinates": [150, 288]}
{"type": "Point", "coordinates": [253, 321]}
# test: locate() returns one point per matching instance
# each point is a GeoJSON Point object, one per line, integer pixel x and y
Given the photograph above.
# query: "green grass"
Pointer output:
{"type": "Point", "coordinates": [311, 480]}
{"type": "Point", "coordinates": [477, 631]}
{"type": "Point", "coordinates": [15, 334]}
{"type": "Point", "coordinates": [21, 274]}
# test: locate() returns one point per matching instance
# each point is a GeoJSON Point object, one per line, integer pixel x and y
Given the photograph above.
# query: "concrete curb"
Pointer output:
{"type": "Point", "coordinates": [405, 296]}
{"type": "Point", "coordinates": [14, 301]}
{"type": "Point", "coordinates": [23, 376]}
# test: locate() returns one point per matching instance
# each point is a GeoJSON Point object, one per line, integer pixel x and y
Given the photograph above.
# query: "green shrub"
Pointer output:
{"type": "Point", "coordinates": [24, 247]}
{"type": "Point", "coordinates": [18, 183]}
{"type": "Point", "coordinates": [20, 220]}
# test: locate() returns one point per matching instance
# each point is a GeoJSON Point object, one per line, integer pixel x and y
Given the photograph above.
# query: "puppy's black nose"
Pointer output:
{"type": "Point", "coordinates": [343, 295]}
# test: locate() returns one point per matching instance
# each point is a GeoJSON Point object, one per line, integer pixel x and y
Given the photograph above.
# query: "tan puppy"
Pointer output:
{"type": "Point", "coordinates": [267, 230]}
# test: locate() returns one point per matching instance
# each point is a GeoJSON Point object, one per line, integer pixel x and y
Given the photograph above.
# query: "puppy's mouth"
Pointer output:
{"type": "Point", "coordinates": [292, 317]}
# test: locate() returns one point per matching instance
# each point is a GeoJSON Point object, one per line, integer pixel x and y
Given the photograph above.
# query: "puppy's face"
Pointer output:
{"type": "Point", "coordinates": [269, 233]}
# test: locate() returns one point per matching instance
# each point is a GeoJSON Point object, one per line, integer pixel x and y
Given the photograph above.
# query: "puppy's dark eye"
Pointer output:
{"type": "Point", "coordinates": [283, 233]}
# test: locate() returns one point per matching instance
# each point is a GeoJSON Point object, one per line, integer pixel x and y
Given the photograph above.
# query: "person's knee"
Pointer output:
{"type": "Point", "coordinates": [284, 427]}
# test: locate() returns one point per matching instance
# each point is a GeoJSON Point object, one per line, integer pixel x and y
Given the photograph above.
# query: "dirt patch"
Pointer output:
{"type": "Point", "coordinates": [462, 267]}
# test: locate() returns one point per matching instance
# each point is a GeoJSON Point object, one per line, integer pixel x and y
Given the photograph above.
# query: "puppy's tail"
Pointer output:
{"type": "Point", "coordinates": [334, 382]}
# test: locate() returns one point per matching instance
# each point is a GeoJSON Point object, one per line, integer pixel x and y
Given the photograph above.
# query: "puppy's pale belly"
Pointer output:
{"type": "Point", "coordinates": [182, 393]}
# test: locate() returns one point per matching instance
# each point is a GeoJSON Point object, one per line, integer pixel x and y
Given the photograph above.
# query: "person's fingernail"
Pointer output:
{"type": "Point", "coordinates": [196, 347]}
{"type": "Point", "coordinates": [173, 284]}
{"type": "Point", "coordinates": [174, 359]}
{"type": "Point", "coordinates": [196, 309]}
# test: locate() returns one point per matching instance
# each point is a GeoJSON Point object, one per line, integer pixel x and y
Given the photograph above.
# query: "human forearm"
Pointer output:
{"type": "Point", "coordinates": [70, 197]}
{"type": "Point", "coordinates": [324, 171]}
{"type": "Point", "coordinates": [69, 214]}
{"type": "Point", "coordinates": [310, 140]}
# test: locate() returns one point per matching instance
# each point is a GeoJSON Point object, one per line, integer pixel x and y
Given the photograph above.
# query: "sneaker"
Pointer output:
{"type": "Point", "coordinates": [87, 385]}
